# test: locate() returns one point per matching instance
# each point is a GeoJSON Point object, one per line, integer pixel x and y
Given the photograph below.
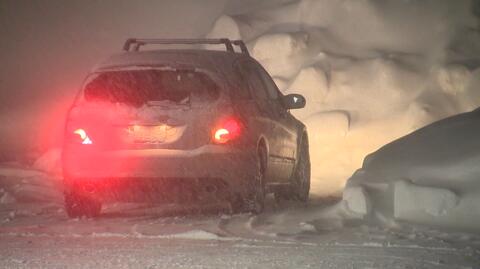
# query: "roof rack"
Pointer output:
{"type": "Point", "coordinates": [242, 46]}
{"type": "Point", "coordinates": [137, 43]}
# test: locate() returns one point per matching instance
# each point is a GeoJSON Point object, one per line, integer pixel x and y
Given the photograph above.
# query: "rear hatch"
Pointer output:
{"type": "Point", "coordinates": [148, 108]}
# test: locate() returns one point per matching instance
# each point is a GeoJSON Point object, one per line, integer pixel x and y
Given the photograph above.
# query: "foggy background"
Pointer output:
{"type": "Point", "coordinates": [48, 47]}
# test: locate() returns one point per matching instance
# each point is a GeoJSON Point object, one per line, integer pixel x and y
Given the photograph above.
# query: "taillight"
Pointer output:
{"type": "Point", "coordinates": [82, 137]}
{"type": "Point", "coordinates": [227, 130]}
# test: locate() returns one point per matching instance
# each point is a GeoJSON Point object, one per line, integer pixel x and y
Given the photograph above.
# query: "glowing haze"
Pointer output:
{"type": "Point", "coordinates": [48, 47]}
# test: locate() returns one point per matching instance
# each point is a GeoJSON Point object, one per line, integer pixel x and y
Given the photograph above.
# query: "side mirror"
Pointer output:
{"type": "Point", "coordinates": [294, 101]}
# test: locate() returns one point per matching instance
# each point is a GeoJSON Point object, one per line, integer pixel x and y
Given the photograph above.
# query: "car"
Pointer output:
{"type": "Point", "coordinates": [183, 125]}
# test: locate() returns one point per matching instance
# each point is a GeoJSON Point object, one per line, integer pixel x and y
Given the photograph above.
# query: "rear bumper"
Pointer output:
{"type": "Point", "coordinates": [227, 164]}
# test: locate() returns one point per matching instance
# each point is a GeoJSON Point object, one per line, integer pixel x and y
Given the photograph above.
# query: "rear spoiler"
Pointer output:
{"type": "Point", "coordinates": [134, 44]}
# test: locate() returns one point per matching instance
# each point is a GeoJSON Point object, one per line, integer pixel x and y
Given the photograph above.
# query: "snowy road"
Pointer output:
{"type": "Point", "coordinates": [118, 252]}
{"type": "Point", "coordinates": [35, 233]}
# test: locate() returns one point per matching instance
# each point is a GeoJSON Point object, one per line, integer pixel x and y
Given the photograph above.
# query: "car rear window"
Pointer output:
{"type": "Point", "coordinates": [137, 87]}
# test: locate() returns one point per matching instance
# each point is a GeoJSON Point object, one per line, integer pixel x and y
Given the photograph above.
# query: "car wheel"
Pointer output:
{"type": "Point", "coordinates": [79, 206]}
{"type": "Point", "coordinates": [255, 200]}
{"type": "Point", "coordinates": [300, 184]}
{"type": "Point", "coordinates": [282, 194]}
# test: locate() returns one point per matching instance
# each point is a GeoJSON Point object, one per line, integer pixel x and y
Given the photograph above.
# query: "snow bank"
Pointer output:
{"type": "Point", "coordinates": [453, 79]}
{"type": "Point", "coordinates": [377, 69]}
{"type": "Point", "coordinates": [50, 161]}
{"type": "Point", "coordinates": [409, 198]}
{"type": "Point", "coordinates": [357, 200]}
{"type": "Point", "coordinates": [273, 46]}
{"type": "Point", "coordinates": [430, 176]}
{"type": "Point", "coordinates": [225, 27]}
{"type": "Point", "coordinates": [196, 235]}
{"type": "Point", "coordinates": [189, 235]}
{"type": "Point", "coordinates": [281, 54]}
{"type": "Point", "coordinates": [26, 185]}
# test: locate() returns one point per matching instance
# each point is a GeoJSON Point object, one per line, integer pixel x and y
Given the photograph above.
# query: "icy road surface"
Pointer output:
{"type": "Point", "coordinates": [35, 233]}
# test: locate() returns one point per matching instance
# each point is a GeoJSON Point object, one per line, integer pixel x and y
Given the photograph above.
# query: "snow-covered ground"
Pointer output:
{"type": "Point", "coordinates": [36, 233]}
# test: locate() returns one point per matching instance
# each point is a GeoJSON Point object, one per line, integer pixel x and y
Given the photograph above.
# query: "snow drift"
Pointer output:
{"type": "Point", "coordinates": [372, 71]}
{"type": "Point", "coordinates": [430, 176]}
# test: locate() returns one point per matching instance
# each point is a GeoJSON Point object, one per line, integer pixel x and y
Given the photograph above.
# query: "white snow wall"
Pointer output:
{"type": "Point", "coordinates": [371, 71]}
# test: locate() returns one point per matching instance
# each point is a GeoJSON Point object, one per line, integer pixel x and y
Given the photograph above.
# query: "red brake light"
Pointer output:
{"type": "Point", "coordinates": [227, 131]}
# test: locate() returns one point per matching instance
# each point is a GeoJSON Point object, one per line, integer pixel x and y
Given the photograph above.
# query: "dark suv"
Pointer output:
{"type": "Point", "coordinates": [183, 125]}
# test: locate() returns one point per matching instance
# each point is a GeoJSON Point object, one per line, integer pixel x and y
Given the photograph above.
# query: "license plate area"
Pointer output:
{"type": "Point", "coordinates": [147, 133]}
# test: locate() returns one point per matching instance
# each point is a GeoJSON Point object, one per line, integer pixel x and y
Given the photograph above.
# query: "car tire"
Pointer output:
{"type": "Point", "coordinates": [282, 194]}
{"type": "Point", "coordinates": [299, 187]}
{"type": "Point", "coordinates": [300, 184]}
{"type": "Point", "coordinates": [78, 206]}
{"type": "Point", "coordinates": [254, 200]}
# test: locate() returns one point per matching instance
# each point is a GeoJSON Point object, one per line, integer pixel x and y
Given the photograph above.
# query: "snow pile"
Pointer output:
{"type": "Point", "coordinates": [19, 185]}
{"type": "Point", "coordinates": [429, 177]}
{"type": "Point", "coordinates": [357, 200]}
{"type": "Point", "coordinates": [188, 235]}
{"type": "Point", "coordinates": [431, 200]}
{"type": "Point", "coordinates": [372, 71]}
{"type": "Point", "coordinates": [196, 235]}
{"type": "Point", "coordinates": [50, 161]}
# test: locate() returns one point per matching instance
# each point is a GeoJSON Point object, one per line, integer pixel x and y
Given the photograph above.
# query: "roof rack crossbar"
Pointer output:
{"type": "Point", "coordinates": [140, 42]}
{"type": "Point", "coordinates": [242, 46]}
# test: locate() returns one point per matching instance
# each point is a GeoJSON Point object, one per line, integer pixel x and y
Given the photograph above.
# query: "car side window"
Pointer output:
{"type": "Point", "coordinates": [243, 91]}
{"type": "Point", "coordinates": [255, 81]}
{"type": "Point", "coordinates": [270, 85]}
